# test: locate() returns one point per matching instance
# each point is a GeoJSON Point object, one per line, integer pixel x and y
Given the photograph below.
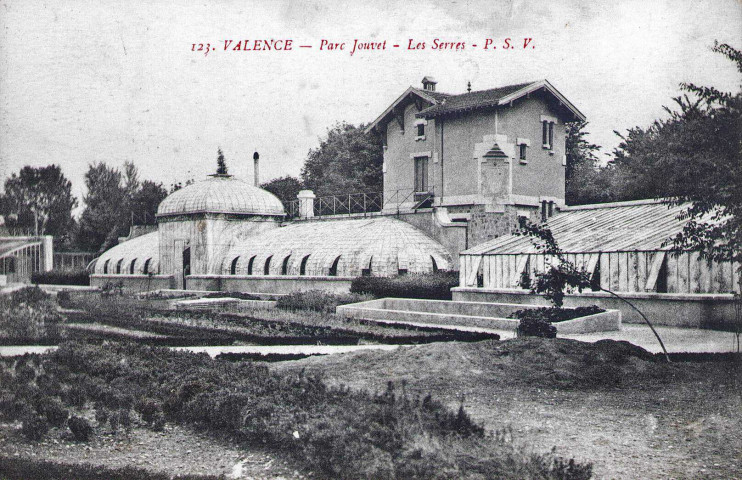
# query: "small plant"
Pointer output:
{"type": "Point", "coordinates": [54, 411]}
{"type": "Point", "coordinates": [34, 427]}
{"type": "Point", "coordinates": [80, 428]}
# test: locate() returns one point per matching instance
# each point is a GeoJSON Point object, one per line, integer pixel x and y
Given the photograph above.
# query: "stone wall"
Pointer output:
{"type": "Point", "coordinates": [484, 226]}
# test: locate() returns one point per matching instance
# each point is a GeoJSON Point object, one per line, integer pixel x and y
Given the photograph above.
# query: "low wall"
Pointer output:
{"type": "Point", "coordinates": [467, 315]}
{"type": "Point", "coordinates": [670, 309]}
{"type": "Point", "coordinates": [268, 284]}
{"type": "Point", "coordinates": [134, 283]}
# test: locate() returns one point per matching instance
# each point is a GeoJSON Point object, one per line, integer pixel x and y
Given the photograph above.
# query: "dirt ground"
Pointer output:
{"type": "Point", "coordinates": [175, 451]}
{"type": "Point", "coordinates": [605, 404]}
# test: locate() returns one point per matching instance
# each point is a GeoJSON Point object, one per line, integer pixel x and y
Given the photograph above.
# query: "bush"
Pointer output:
{"type": "Point", "coordinates": [434, 286]}
{"type": "Point", "coordinates": [29, 315]}
{"type": "Point", "coordinates": [80, 428]}
{"type": "Point", "coordinates": [34, 427]}
{"type": "Point", "coordinates": [317, 300]}
{"type": "Point", "coordinates": [61, 277]}
{"type": "Point", "coordinates": [238, 295]}
{"type": "Point", "coordinates": [53, 410]}
{"type": "Point", "coordinates": [535, 326]}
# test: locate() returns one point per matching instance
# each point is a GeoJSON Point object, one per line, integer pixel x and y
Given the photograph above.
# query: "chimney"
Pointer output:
{"type": "Point", "coordinates": [256, 168]}
{"type": "Point", "coordinates": [306, 203]}
{"type": "Point", "coordinates": [429, 84]}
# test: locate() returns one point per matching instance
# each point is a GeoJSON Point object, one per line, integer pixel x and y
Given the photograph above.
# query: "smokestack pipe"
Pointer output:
{"type": "Point", "coordinates": [256, 168]}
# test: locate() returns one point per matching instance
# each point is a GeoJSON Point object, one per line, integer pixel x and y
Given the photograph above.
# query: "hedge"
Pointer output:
{"type": "Point", "coordinates": [61, 277]}
{"type": "Point", "coordinates": [434, 286]}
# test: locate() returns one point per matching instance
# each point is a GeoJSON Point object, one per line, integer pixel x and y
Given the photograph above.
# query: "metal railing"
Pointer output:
{"type": "Point", "coordinates": [364, 203]}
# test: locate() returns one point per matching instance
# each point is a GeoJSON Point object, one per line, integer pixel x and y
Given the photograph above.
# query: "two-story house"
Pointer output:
{"type": "Point", "coordinates": [480, 151]}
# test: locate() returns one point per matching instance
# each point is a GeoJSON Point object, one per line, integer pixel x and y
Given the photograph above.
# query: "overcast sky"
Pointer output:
{"type": "Point", "coordinates": [84, 81]}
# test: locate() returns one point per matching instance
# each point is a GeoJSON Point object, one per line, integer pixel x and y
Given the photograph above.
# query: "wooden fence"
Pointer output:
{"type": "Point", "coordinates": [630, 271]}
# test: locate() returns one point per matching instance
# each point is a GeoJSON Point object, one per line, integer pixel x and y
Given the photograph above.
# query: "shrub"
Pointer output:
{"type": "Point", "coordinates": [80, 428]}
{"type": "Point", "coordinates": [239, 295]}
{"type": "Point", "coordinates": [317, 300]}
{"type": "Point", "coordinates": [28, 314]}
{"type": "Point", "coordinates": [554, 314]}
{"type": "Point", "coordinates": [101, 415]}
{"type": "Point", "coordinates": [34, 427]}
{"type": "Point", "coordinates": [53, 410]}
{"type": "Point", "coordinates": [535, 326]}
{"type": "Point", "coordinates": [434, 286]}
{"type": "Point", "coordinates": [61, 277]}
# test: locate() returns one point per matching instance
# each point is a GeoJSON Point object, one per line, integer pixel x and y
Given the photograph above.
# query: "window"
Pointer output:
{"type": "Point", "coordinates": [522, 148]}
{"type": "Point", "coordinates": [105, 266]}
{"type": "Point", "coordinates": [145, 269]}
{"type": "Point", "coordinates": [303, 267]}
{"type": "Point", "coordinates": [131, 267]}
{"type": "Point", "coordinates": [547, 134]}
{"type": "Point", "coordinates": [420, 129]}
{"type": "Point", "coordinates": [267, 268]}
{"type": "Point", "coordinates": [334, 268]}
{"type": "Point", "coordinates": [421, 174]}
{"type": "Point", "coordinates": [285, 266]}
{"type": "Point", "coordinates": [366, 272]}
{"type": "Point", "coordinates": [118, 265]}
{"type": "Point", "coordinates": [233, 266]}
{"type": "Point", "coordinates": [435, 264]}
{"type": "Point", "coordinates": [250, 264]}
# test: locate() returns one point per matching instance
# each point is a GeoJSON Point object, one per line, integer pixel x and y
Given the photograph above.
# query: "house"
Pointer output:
{"type": "Point", "coordinates": [495, 150]}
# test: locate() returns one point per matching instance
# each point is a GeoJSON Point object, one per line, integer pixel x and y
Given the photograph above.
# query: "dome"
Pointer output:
{"type": "Point", "coordinates": [221, 194]}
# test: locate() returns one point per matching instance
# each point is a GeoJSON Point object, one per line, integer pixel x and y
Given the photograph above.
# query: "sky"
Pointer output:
{"type": "Point", "coordinates": [107, 81]}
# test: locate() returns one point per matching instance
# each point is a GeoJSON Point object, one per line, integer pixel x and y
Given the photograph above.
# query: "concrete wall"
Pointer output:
{"type": "Point", "coordinates": [677, 310]}
{"type": "Point", "coordinates": [268, 284]}
{"type": "Point", "coordinates": [135, 283]}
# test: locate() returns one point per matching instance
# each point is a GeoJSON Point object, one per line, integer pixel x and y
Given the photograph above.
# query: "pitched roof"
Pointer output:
{"type": "Point", "coordinates": [493, 98]}
{"type": "Point", "coordinates": [470, 100]}
{"type": "Point", "coordinates": [623, 226]}
{"type": "Point", "coordinates": [431, 97]}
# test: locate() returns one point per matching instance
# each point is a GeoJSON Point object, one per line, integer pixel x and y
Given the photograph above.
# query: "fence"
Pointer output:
{"type": "Point", "coordinates": [364, 203]}
{"type": "Point", "coordinates": [73, 260]}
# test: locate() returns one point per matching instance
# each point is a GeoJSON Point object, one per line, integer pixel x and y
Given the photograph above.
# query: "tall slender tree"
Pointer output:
{"type": "Point", "coordinates": [221, 163]}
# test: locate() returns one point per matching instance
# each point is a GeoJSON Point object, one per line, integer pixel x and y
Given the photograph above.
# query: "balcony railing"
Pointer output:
{"type": "Point", "coordinates": [365, 203]}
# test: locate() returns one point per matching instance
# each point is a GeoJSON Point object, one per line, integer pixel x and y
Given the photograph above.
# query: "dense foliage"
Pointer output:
{"type": "Point", "coordinates": [318, 300]}
{"type": "Point", "coordinates": [435, 286]}
{"type": "Point", "coordinates": [29, 315]}
{"type": "Point", "coordinates": [61, 277]}
{"type": "Point", "coordinates": [285, 188]}
{"type": "Point", "coordinates": [334, 432]}
{"type": "Point", "coordinates": [556, 315]}
{"type": "Point", "coordinates": [39, 201]}
{"type": "Point", "coordinates": [348, 160]}
{"type": "Point", "coordinates": [115, 200]}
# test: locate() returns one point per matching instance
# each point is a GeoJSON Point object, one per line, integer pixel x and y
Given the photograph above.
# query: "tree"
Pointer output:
{"type": "Point", "coordinates": [39, 201]}
{"type": "Point", "coordinates": [221, 164]}
{"type": "Point", "coordinates": [105, 216]}
{"type": "Point", "coordinates": [285, 188]}
{"type": "Point", "coordinates": [584, 182]}
{"type": "Point", "coordinates": [145, 201]}
{"type": "Point", "coordinates": [349, 160]}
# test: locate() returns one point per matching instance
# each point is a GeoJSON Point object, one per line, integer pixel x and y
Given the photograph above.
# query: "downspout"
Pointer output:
{"type": "Point", "coordinates": [442, 184]}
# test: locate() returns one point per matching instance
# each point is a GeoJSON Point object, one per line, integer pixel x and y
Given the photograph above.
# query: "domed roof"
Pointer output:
{"type": "Point", "coordinates": [221, 194]}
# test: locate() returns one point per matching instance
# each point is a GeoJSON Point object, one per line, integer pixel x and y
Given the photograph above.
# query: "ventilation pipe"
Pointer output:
{"type": "Point", "coordinates": [256, 168]}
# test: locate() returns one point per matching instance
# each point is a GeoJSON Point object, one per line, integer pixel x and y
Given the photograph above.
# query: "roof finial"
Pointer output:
{"type": "Point", "coordinates": [468, 86]}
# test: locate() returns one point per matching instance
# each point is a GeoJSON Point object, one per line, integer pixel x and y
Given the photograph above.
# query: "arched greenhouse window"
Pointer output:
{"type": "Point", "coordinates": [105, 266]}
{"type": "Point", "coordinates": [334, 268]}
{"type": "Point", "coordinates": [131, 266]}
{"type": "Point", "coordinates": [303, 267]}
{"type": "Point", "coordinates": [233, 266]}
{"type": "Point", "coordinates": [267, 268]}
{"type": "Point", "coordinates": [285, 266]}
{"type": "Point", "coordinates": [118, 265]}
{"type": "Point", "coordinates": [435, 265]}
{"type": "Point", "coordinates": [366, 272]}
{"type": "Point", "coordinates": [145, 269]}
{"type": "Point", "coordinates": [250, 264]}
